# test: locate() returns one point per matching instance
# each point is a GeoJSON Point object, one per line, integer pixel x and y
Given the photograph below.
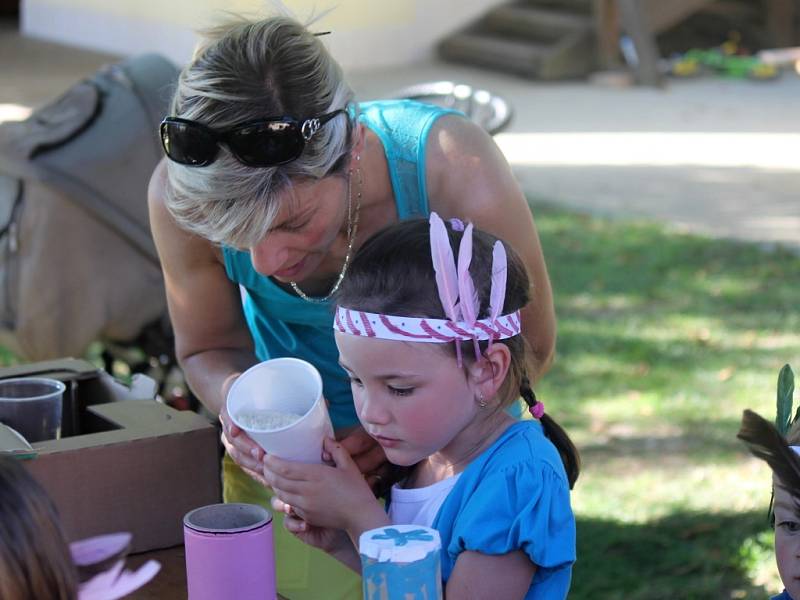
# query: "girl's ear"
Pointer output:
{"type": "Point", "coordinates": [489, 373]}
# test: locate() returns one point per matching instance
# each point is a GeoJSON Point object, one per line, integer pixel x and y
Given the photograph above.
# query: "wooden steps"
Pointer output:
{"type": "Point", "coordinates": [547, 39]}
{"type": "Point", "coordinates": [559, 39]}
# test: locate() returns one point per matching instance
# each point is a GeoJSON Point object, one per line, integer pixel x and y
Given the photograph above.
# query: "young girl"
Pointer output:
{"type": "Point", "coordinates": [434, 354]}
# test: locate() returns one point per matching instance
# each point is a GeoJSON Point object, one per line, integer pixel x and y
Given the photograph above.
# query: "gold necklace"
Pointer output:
{"type": "Point", "coordinates": [352, 227]}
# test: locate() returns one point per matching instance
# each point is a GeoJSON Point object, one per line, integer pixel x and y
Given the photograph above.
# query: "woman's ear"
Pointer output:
{"type": "Point", "coordinates": [489, 373]}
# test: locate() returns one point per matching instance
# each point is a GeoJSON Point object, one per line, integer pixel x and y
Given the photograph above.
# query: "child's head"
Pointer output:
{"type": "Point", "coordinates": [786, 507]}
{"type": "Point", "coordinates": [35, 561]}
{"type": "Point", "coordinates": [392, 274]}
{"type": "Point", "coordinates": [448, 386]}
{"type": "Point", "coordinates": [787, 539]}
{"type": "Point", "coordinates": [765, 442]}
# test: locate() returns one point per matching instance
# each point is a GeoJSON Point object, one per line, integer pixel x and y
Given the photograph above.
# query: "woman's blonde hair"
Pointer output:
{"type": "Point", "coordinates": [246, 70]}
{"type": "Point", "coordinates": [35, 561]}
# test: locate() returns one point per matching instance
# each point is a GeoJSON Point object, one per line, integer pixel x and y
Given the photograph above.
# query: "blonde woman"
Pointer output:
{"type": "Point", "coordinates": [273, 177]}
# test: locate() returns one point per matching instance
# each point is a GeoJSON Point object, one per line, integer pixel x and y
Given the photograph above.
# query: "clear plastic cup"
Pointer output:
{"type": "Point", "coordinates": [32, 406]}
{"type": "Point", "coordinates": [279, 404]}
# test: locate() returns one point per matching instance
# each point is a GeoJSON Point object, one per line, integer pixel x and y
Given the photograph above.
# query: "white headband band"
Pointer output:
{"type": "Point", "coordinates": [458, 297]}
{"type": "Point", "coordinates": [415, 329]}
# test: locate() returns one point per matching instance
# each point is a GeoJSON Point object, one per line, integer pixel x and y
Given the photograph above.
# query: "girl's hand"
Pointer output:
{"type": "Point", "coordinates": [327, 539]}
{"type": "Point", "coordinates": [367, 454]}
{"type": "Point", "coordinates": [241, 447]}
{"type": "Point", "coordinates": [333, 541]}
{"type": "Point", "coordinates": [325, 496]}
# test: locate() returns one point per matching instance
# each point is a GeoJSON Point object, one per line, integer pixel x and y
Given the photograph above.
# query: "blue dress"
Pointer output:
{"type": "Point", "coordinates": [514, 496]}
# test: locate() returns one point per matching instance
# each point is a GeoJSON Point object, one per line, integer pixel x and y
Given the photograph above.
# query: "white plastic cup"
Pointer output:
{"type": "Point", "coordinates": [289, 386]}
{"type": "Point", "coordinates": [32, 406]}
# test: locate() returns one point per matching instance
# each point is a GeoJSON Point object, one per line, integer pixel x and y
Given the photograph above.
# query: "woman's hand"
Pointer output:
{"type": "Point", "coordinates": [241, 447]}
{"type": "Point", "coordinates": [330, 496]}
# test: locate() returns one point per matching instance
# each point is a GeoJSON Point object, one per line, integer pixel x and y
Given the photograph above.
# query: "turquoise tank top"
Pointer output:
{"type": "Point", "coordinates": [283, 324]}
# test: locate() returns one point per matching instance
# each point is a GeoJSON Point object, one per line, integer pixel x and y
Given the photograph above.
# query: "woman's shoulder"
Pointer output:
{"type": "Point", "coordinates": [467, 174]}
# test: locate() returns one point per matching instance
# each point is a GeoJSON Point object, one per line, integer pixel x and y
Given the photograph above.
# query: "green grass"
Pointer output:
{"type": "Point", "coordinates": [664, 338]}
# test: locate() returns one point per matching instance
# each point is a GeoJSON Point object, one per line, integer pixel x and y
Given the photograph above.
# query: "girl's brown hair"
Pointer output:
{"type": "Point", "coordinates": [392, 273]}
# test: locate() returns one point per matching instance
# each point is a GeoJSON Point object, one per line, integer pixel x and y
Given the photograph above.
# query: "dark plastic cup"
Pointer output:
{"type": "Point", "coordinates": [32, 406]}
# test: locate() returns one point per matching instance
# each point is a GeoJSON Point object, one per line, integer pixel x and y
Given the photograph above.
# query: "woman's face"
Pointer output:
{"type": "Point", "coordinates": [310, 217]}
{"type": "Point", "coordinates": [787, 540]}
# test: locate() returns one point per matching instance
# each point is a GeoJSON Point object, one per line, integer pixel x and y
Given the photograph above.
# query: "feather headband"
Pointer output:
{"type": "Point", "coordinates": [765, 442]}
{"type": "Point", "coordinates": [457, 294]}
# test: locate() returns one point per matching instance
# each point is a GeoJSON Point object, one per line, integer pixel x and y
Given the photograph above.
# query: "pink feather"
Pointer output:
{"type": "Point", "coordinates": [497, 296]}
{"type": "Point", "coordinates": [444, 266]}
{"type": "Point", "coordinates": [470, 305]}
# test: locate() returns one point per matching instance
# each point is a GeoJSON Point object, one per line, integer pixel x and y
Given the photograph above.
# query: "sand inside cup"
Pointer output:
{"type": "Point", "coordinates": [266, 419]}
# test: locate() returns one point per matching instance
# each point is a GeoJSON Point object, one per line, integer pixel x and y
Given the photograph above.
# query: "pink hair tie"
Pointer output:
{"type": "Point", "coordinates": [537, 410]}
{"type": "Point", "coordinates": [457, 224]}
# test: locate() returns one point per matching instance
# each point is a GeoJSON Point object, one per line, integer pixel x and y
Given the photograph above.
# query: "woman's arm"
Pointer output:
{"type": "Point", "coordinates": [212, 342]}
{"type": "Point", "coordinates": [511, 576]}
{"type": "Point", "coordinates": [468, 177]}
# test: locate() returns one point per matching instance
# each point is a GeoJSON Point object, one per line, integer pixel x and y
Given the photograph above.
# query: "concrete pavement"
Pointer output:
{"type": "Point", "coordinates": [714, 156]}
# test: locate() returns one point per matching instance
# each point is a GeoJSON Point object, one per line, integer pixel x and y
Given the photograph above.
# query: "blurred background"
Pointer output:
{"type": "Point", "coordinates": [657, 142]}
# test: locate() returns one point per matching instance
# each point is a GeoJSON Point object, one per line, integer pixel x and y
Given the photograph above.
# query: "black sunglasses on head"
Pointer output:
{"type": "Point", "coordinates": [262, 143]}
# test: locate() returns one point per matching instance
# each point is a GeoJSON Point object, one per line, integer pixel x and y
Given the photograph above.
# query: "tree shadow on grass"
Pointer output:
{"type": "Point", "coordinates": [685, 555]}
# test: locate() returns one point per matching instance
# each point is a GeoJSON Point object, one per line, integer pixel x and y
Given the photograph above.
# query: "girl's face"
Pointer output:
{"type": "Point", "coordinates": [787, 540]}
{"type": "Point", "coordinates": [310, 218]}
{"type": "Point", "coordinates": [413, 398]}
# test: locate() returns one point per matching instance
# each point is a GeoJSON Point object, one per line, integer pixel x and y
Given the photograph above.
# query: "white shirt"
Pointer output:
{"type": "Point", "coordinates": [418, 506]}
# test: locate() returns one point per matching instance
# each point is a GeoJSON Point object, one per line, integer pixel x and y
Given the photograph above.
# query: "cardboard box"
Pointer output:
{"type": "Point", "coordinates": [123, 463]}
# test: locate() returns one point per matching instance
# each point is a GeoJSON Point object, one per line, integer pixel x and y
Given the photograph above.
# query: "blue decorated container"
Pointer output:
{"type": "Point", "coordinates": [401, 562]}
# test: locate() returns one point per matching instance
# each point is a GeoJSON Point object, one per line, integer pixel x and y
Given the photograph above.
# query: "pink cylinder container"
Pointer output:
{"type": "Point", "coordinates": [229, 552]}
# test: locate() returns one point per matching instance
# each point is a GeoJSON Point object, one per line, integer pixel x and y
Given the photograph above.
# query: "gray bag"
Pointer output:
{"type": "Point", "coordinates": [77, 261]}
